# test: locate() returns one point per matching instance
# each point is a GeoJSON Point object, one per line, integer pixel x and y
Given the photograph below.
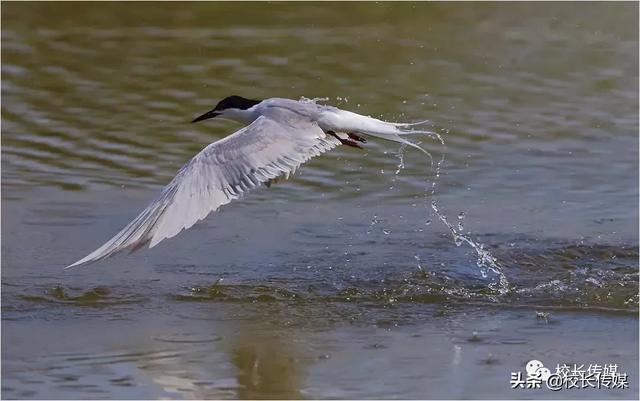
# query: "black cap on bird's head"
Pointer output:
{"type": "Point", "coordinates": [230, 102]}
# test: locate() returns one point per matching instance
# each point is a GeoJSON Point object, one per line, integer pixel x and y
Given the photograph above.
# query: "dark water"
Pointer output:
{"type": "Point", "coordinates": [340, 282]}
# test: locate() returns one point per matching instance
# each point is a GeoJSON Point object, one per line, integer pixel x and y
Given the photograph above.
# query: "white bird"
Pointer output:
{"type": "Point", "coordinates": [280, 136]}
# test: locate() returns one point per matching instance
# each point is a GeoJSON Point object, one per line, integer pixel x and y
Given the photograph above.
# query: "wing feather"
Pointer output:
{"type": "Point", "coordinates": [220, 173]}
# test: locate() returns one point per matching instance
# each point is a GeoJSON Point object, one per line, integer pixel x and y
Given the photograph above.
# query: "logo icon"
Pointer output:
{"type": "Point", "coordinates": [537, 371]}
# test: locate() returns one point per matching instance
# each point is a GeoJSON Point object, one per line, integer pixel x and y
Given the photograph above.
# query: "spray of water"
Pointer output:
{"type": "Point", "coordinates": [314, 100]}
{"type": "Point", "coordinates": [486, 261]}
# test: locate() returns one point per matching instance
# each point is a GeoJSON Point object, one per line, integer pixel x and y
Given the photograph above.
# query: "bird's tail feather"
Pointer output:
{"type": "Point", "coordinates": [346, 121]}
{"type": "Point", "coordinates": [396, 137]}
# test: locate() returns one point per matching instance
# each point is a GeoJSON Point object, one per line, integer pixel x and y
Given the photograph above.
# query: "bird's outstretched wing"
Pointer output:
{"type": "Point", "coordinates": [220, 173]}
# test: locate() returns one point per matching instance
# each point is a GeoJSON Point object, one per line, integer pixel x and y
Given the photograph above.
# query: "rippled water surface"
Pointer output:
{"type": "Point", "coordinates": [341, 282]}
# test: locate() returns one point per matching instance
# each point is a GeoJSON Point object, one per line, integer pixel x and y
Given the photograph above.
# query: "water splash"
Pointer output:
{"type": "Point", "coordinates": [486, 261]}
{"type": "Point", "coordinates": [401, 158]}
{"type": "Point", "coordinates": [314, 100]}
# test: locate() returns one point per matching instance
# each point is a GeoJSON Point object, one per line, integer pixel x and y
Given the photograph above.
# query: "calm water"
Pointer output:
{"type": "Point", "coordinates": [340, 282]}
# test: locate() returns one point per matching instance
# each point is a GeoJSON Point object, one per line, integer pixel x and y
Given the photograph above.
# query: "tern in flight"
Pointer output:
{"type": "Point", "coordinates": [279, 136]}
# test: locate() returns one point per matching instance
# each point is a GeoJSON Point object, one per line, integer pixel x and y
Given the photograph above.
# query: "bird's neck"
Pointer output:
{"type": "Point", "coordinates": [241, 116]}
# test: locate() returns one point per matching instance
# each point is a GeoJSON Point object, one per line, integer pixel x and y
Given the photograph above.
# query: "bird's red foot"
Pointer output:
{"type": "Point", "coordinates": [348, 142]}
